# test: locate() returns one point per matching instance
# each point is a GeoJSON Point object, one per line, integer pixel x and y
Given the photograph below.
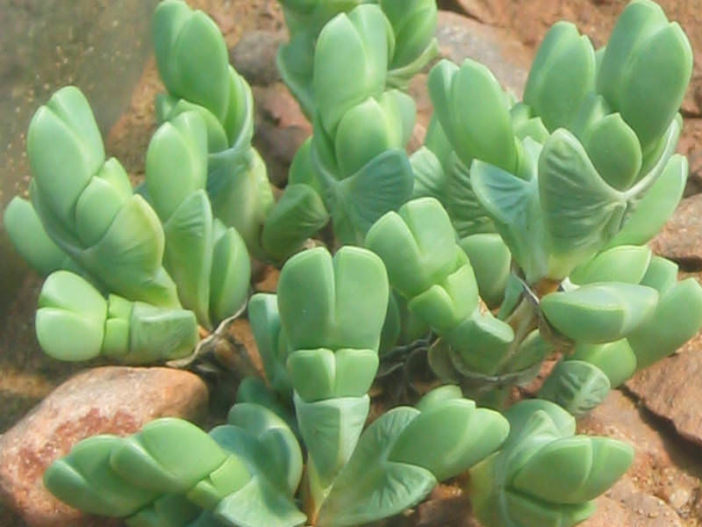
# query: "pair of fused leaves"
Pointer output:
{"type": "Point", "coordinates": [545, 171]}
{"type": "Point", "coordinates": [411, 29]}
{"type": "Point", "coordinates": [245, 473]}
{"type": "Point", "coordinates": [544, 475]}
{"type": "Point", "coordinates": [354, 168]}
{"type": "Point", "coordinates": [192, 60]}
{"type": "Point", "coordinates": [428, 268]}
{"type": "Point", "coordinates": [649, 314]}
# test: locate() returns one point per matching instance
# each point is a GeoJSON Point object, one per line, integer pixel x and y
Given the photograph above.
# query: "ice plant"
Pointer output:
{"type": "Point", "coordinates": [517, 233]}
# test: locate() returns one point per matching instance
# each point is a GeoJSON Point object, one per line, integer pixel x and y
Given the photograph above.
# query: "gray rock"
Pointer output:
{"type": "Point", "coordinates": [461, 37]}
{"type": "Point", "coordinates": [254, 56]}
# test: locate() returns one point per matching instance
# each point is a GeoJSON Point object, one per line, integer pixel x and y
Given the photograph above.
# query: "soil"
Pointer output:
{"type": "Point", "coordinates": [27, 375]}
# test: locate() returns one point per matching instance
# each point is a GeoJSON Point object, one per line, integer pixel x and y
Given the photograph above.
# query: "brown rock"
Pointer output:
{"type": "Point", "coordinates": [254, 56]}
{"type": "Point", "coordinates": [625, 505]}
{"type": "Point", "coordinates": [663, 468]}
{"type": "Point", "coordinates": [666, 389]}
{"type": "Point", "coordinates": [461, 37]}
{"type": "Point", "coordinates": [485, 11]}
{"type": "Point", "coordinates": [281, 128]}
{"type": "Point", "coordinates": [109, 400]}
{"type": "Point", "coordinates": [681, 237]}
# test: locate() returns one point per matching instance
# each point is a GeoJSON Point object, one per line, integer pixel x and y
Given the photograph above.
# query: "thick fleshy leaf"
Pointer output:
{"type": "Point", "coordinates": [241, 194]}
{"type": "Point", "coordinates": [176, 163]}
{"type": "Point", "coordinates": [513, 203]}
{"type": "Point", "coordinates": [676, 319]}
{"type": "Point", "coordinates": [574, 470]}
{"type": "Point", "coordinates": [581, 213]}
{"type": "Point", "coordinates": [188, 43]}
{"type": "Point", "coordinates": [323, 374]}
{"type": "Point", "coordinates": [70, 322]}
{"type": "Point", "coordinates": [30, 239]}
{"type": "Point", "coordinates": [625, 263]}
{"type": "Point", "coordinates": [468, 215]}
{"type": "Point", "coordinates": [474, 115]}
{"type": "Point", "coordinates": [299, 214]}
{"type": "Point", "coordinates": [383, 185]}
{"type": "Point", "coordinates": [257, 504]}
{"type": "Point", "coordinates": [561, 76]}
{"type": "Point", "coordinates": [491, 262]}
{"type": "Point", "coordinates": [417, 245]}
{"type": "Point", "coordinates": [265, 325]}
{"type": "Point", "coordinates": [616, 359]}
{"type": "Point", "coordinates": [167, 456]}
{"type": "Point", "coordinates": [320, 302]}
{"type": "Point", "coordinates": [230, 275]}
{"type": "Point", "coordinates": [414, 24]}
{"type": "Point", "coordinates": [128, 257]}
{"type": "Point", "coordinates": [367, 130]}
{"type": "Point", "coordinates": [86, 480]}
{"type": "Point", "coordinates": [576, 385]}
{"type": "Point", "coordinates": [161, 333]}
{"type": "Point", "coordinates": [340, 85]}
{"type": "Point", "coordinates": [657, 205]}
{"type": "Point", "coordinates": [331, 430]}
{"type": "Point", "coordinates": [65, 150]}
{"type": "Point", "coordinates": [646, 104]}
{"type": "Point", "coordinates": [265, 444]}
{"type": "Point", "coordinates": [614, 150]}
{"type": "Point", "coordinates": [602, 312]}
{"type": "Point", "coordinates": [463, 434]}
{"type": "Point", "coordinates": [429, 177]}
{"type": "Point", "coordinates": [188, 256]}
{"type": "Point", "coordinates": [371, 486]}
{"type": "Point", "coordinates": [169, 511]}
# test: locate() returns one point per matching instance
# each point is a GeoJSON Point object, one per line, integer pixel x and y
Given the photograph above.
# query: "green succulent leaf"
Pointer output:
{"type": "Point", "coordinates": [577, 386]}
{"type": "Point", "coordinates": [30, 238]}
{"type": "Point", "coordinates": [299, 214]}
{"type": "Point", "coordinates": [473, 111]}
{"type": "Point", "coordinates": [371, 486]}
{"type": "Point", "coordinates": [624, 263]}
{"type": "Point", "coordinates": [561, 76]}
{"type": "Point", "coordinates": [581, 212]}
{"type": "Point", "coordinates": [676, 319]}
{"type": "Point", "coordinates": [657, 205]}
{"type": "Point", "coordinates": [70, 321]}
{"type": "Point", "coordinates": [188, 43]}
{"type": "Point", "coordinates": [615, 359]}
{"type": "Point", "coordinates": [602, 312]}
{"type": "Point", "coordinates": [339, 86]}
{"type": "Point", "coordinates": [86, 480]}
{"type": "Point", "coordinates": [491, 262]}
{"type": "Point", "coordinates": [320, 304]}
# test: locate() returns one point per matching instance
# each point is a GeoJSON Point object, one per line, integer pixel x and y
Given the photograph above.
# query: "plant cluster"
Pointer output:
{"type": "Point", "coordinates": [516, 233]}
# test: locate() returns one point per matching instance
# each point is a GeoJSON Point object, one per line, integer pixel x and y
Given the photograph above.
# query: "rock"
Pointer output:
{"type": "Point", "coordinates": [461, 37]}
{"type": "Point", "coordinates": [659, 486]}
{"type": "Point", "coordinates": [281, 128]}
{"type": "Point", "coordinates": [666, 390]}
{"type": "Point", "coordinates": [625, 505]}
{"type": "Point", "coordinates": [485, 11]}
{"type": "Point", "coordinates": [254, 56]}
{"type": "Point", "coordinates": [681, 237]}
{"type": "Point", "coordinates": [108, 400]}
{"type": "Point", "coordinates": [690, 145]}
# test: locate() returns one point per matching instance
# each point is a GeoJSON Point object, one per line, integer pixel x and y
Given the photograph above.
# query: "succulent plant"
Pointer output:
{"type": "Point", "coordinates": [413, 24]}
{"type": "Point", "coordinates": [517, 233]}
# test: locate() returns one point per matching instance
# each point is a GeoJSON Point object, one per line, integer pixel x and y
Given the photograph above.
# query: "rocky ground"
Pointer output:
{"type": "Point", "coordinates": [658, 411]}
